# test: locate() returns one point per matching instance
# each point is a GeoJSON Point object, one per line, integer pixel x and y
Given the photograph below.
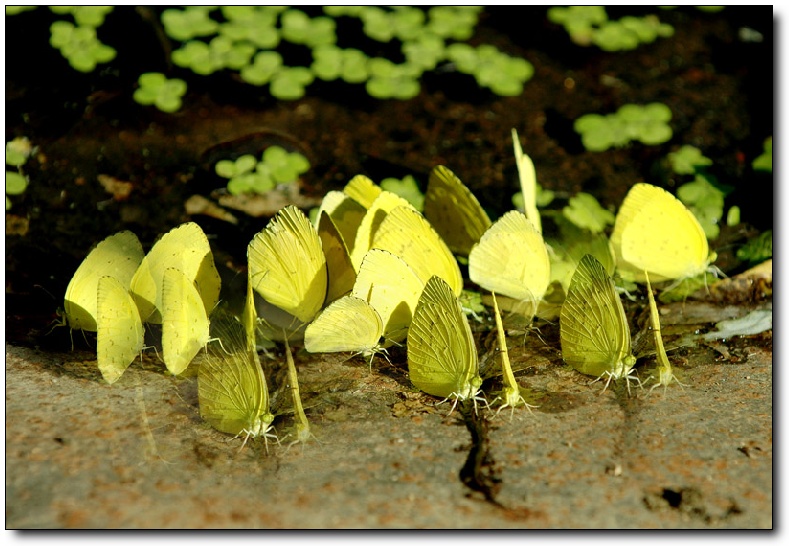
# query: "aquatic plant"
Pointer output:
{"type": "Point", "coordinates": [407, 188]}
{"type": "Point", "coordinates": [331, 62]}
{"type": "Point", "coordinates": [705, 202]}
{"type": "Point", "coordinates": [84, 16]}
{"type": "Point", "coordinates": [502, 74]}
{"type": "Point", "coordinates": [764, 162]}
{"type": "Point", "coordinates": [155, 89]}
{"type": "Point", "coordinates": [17, 152]}
{"type": "Point", "coordinates": [586, 212]}
{"type": "Point", "coordinates": [392, 81]}
{"type": "Point", "coordinates": [647, 124]}
{"type": "Point", "coordinates": [80, 46]}
{"type": "Point", "coordinates": [589, 25]}
{"type": "Point", "coordinates": [248, 175]}
{"type": "Point", "coordinates": [687, 160]}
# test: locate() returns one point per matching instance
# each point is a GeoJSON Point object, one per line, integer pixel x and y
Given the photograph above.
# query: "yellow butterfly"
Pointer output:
{"type": "Point", "coordinates": [373, 218]}
{"type": "Point", "coordinates": [665, 374]}
{"type": "Point", "coordinates": [392, 288]}
{"type": "Point", "coordinates": [655, 232]}
{"type": "Point", "coordinates": [407, 234]}
{"type": "Point", "coordinates": [185, 324]}
{"type": "Point", "coordinates": [120, 331]}
{"type": "Point", "coordinates": [528, 180]}
{"type": "Point", "coordinates": [510, 395]}
{"type": "Point", "coordinates": [454, 211]}
{"type": "Point", "coordinates": [117, 256]}
{"type": "Point", "coordinates": [511, 259]}
{"type": "Point", "coordinates": [442, 356]}
{"type": "Point", "coordinates": [231, 387]}
{"type": "Point", "coordinates": [345, 213]}
{"type": "Point", "coordinates": [287, 266]}
{"type": "Point", "coordinates": [594, 332]}
{"type": "Point", "coordinates": [347, 324]}
{"type": "Point", "coordinates": [185, 248]}
{"type": "Point", "coordinates": [341, 274]}
{"type": "Point", "coordinates": [362, 190]}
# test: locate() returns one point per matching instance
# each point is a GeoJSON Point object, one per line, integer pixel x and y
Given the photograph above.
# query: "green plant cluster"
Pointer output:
{"type": "Point", "coordinates": [703, 195]}
{"type": "Point", "coordinates": [248, 175]}
{"type": "Point", "coordinates": [159, 91]}
{"type": "Point", "coordinates": [17, 152]}
{"type": "Point", "coordinates": [647, 124]}
{"type": "Point", "coordinates": [407, 188]}
{"type": "Point", "coordinates": [245, 40]}
{"type": "Point", "coordinates": [758, 249]}
{"type": "Point", "coordinates": [765, 160]}
{"type": "Point", "coordinates": [589, 25]}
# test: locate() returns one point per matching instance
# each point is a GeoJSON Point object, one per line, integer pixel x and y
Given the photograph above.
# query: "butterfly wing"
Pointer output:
{"type": "Point", "coordinates": [654, 231]}
{"type": "Point", "coordinates": [407, 234]}
{"type": "Point", "coordinates": [232, 393]}
{"type": "Point", "coordinates": [339, 269]}
{"type": "Point", "coordinates": [287, 265]}
{"type": "Point", "coordinates": [373, 219]}
{"type": "Point", "coordinates": [348, 324]}
{"type": "Point", "coordinates": [185, 248]}
{"type": "Point", "coordinates": [594, 333]}
{"type": "Point", "coordinates": [117, 256]}
{"type": "Point", "coordinates": [185, 325]}
{"type": "Point", "coordinates": [392, 288]}
{"type": "Point", "coordinates": [120, 331]}
{"type": "Point", "coordinates": [511, 259]}
{"type": "Point", "coordinates": [442, 357]}
{"type": "Point", "coordinates": [454, 211]}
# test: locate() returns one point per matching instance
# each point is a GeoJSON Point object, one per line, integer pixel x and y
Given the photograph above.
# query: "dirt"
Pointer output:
{"type": "Point", "coordinates": [82, 454]}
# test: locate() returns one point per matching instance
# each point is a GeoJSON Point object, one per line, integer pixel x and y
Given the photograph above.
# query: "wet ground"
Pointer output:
{"type": "Point", "coordinates": [80, 453]}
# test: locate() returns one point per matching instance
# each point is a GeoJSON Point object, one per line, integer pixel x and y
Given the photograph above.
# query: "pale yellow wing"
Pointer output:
{"type": "Point", "coordinates": [232, 393]}
{"type": "Point", "coordinates": [528, 179]}
{"type": "Point", "coordinates": [454, 211]}
{"type": "Point", "coordinates": [287, 266]}
{"type": "Point", "coordinates": [341, 274]}
{"type": "Point", "coordinates": [117, 256]}
{"type": "Point", "coordinates": [348, 324]}
{"type": "Point", "coordinates": [346, 214]}
{"type": "Point", "coordinates": [594, 333]}
{"type": "Point", "coordinates": [120, 331]}
{"type": "Point", "coordinates": [185, 325]}
{"type": "Point", "coordinates": [185, 248]}
{"type": "Point", "coordinates": [442, 356]}
{"type": "Point", "coordinates": [362, 190]}
{"type": "Point", "coordinates": [655, 232]}
{"type": "Point", "coordinates": [392, 288]}
{"type": "Point", "coordinates": [373, 218]}
{"type": "Point", "coordinates": [511, 259]}
{"type": "Point", "coordinates": [407, 234]}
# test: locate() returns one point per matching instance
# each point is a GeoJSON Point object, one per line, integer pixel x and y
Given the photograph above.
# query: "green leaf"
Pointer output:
{"type": "Point", "coordinates": [585, 212]}
{"type": "Point", "coordinates": [757, 249]}
{"type": "Point", "coordinates": [687, 160]}
{"type": "Point", "coordinates": [15, 183]}
{"type": "Point", "coordinates": [706, 203]}
{"type": "Point", "coordinates": [765, 161]}
{"type": "Point", "coordinates": [407, 188]}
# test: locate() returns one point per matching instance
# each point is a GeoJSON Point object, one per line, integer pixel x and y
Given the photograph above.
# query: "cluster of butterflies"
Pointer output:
{"type": "Point", "coordinates": [375, 273]}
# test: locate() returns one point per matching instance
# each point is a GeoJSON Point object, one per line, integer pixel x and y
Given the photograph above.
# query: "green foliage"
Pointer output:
{"type": "Point", "coordinates": [80, 46]}
{"type": "Point", "coordinates": [248, 175]}
{"type": "Point", "coordinates": [299, 28]}
{"type": "Point", "coordinates": [188, 23]}
{"type": "Point", "coordinates": [331, 62]}
{"type": "Point", "coordinates": [84, 16]}
{"type": "Point", "coordinates": [758, 249]}
{"type": "Point", "coordinates": [159, 91]}
{"type": "Point", "coordinates": [502, 74]}
{"type": "Point", "coordinates": [589, 25]}
{"type": "Point", "coordinates": [406, 188]}
{"type": "Point", "coordinates": [221, 52]}
{"type": "Point", "coordinates": [263, 68]}
{"type": "Point", "coordinates": [647, 124]}
{"type": "Point", "coordinates": [706, 203]}
{"type": "Point", "coordinates": [16, 10]}
{"type": "Point", "coordinates": [290, 83]}
{"type": "Point", "coordinates": [585, 212]}
{"type": "Point", "coordinates": [765, 161]}
{"type": "Point", "coordinates": [392, 81]}
{"type": "Point", "coordinates": [542, 199]}
{"type": "Point", "coordinates": [17, 152]}
{"type": "Point", "coordinates": [688, 160]}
